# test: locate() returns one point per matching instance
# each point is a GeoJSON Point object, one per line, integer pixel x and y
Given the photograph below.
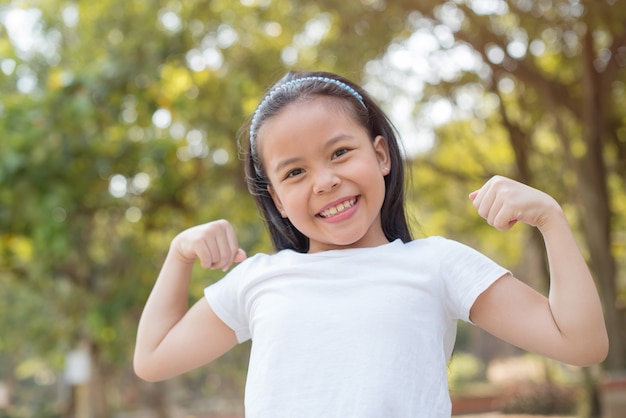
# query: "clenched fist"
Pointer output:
{"type": "Point", "coordinates": [214, 244]}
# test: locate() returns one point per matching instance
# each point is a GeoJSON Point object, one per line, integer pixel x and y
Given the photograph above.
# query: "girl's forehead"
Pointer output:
{"type": "Point", "coordinates": [296, 114]}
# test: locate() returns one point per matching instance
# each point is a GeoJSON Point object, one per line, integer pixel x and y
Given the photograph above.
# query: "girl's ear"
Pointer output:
{"type": "Point", "coordinates": [277, 201]}
{"type": "Point", "coordinates": [381, 148]}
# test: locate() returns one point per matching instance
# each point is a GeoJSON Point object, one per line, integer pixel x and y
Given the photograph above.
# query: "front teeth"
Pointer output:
{"type": "Point", "coordinates": [338, 209]}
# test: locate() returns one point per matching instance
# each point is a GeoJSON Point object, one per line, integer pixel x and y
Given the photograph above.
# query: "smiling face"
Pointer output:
{"type": "Point", "coordinates": [326, 174]}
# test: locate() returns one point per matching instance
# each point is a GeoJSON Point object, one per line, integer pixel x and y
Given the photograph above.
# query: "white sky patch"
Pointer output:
{"type": "Point", "coordinates": [440, 111]}
{"type": "Point", "coordinates": [537, 47]}
{"type": "Point", "coordinates": [25, 31]}
{"type": "Point", "coordinates": [495, 54]}
{"type": "Point", "coordinates": [226, 36]}
{"type": "Point", "coordinates": [162, 118]}
{"type": "Point", "coordinates": [133, 214]}
{"type": "Point", "coordinates": [118, 186]}
{"type": "Point", "coordinates": [27, 83]}
{"type": "Point", "coordinates": [70, 15]}
{"type": "Point", "coordinates": [170, 21]}
{"type": "Point", "coordinates": [220, 156]}
{"type": "Point", "coordinates": [199, 60]}
{"type": "Point", "coordinates": [7, 66]}
{"type": "Point", "coordinates": [289, 55]}
{"type": "Point", "coordinates": [23, 27]}
{"type": "Point", "coordinates": [489, 7]}
{"type": "Point", "coordinates": [140, 183]}
{"type": "Point", "coordinates": [273, 29]}
{"type": "Point", "coordinates": [314, 32]}
{"type": "Point", "coordinates": [416, 136]}
{"type": "Point", "coordinates": [428, 56]}
{"type": "Point", "coordinates": [506, 85]}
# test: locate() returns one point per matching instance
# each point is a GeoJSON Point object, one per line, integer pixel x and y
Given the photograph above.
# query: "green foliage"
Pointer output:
{"type": "Point", "coordinates": [464, 369]}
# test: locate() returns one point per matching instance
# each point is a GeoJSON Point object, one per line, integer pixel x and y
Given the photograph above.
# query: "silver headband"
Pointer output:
{"type": "Point", "coordinates": [288, 84]}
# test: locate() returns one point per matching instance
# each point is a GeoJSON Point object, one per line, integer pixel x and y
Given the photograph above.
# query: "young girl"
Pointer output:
{"type": "Point", "coordinates": [351, 317]}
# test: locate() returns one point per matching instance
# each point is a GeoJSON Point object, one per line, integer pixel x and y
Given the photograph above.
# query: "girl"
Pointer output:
{"type": "Point", "coordinates": [351, 317]}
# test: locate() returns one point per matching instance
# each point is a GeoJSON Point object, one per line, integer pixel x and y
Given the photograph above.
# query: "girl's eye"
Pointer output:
{"type": "Point", "coordinates": [340, 152]}
{"type": "Point", "coordinates": [294, 172]}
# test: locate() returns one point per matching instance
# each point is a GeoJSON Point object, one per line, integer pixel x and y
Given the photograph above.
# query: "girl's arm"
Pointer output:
{"type": "Point", "coordinates": [568, 325]}
{"type": "Point", "coordinates": [173, 338]}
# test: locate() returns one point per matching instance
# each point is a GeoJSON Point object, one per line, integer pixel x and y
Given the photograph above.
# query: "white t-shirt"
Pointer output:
{"type": "Point", "coordinates": [363, 332]}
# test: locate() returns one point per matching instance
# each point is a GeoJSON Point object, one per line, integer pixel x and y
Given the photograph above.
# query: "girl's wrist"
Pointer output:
{"type": "Point", "coordinates": [176, 255]}
{"type": "Point", "coordinates": [555, 220]}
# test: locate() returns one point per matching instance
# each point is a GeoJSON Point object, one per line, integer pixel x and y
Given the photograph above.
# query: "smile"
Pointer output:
{"type": "Point", "coordinates": [332, 211]}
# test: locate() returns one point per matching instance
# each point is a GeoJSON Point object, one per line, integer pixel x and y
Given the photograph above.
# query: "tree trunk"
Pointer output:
{"type": "Point", "coordinates": [155, 398]}
{"type": "Point", "coordinates": [595, 202]}
{"type": "Point", "coordinates": [97, 385]}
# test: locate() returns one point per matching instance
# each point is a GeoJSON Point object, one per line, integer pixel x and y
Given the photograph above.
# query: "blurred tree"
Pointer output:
{"type": "Point", "coordinates": [545, 79]}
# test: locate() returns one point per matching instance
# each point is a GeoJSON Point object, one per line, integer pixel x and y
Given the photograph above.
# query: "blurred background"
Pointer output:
{"type": "Point", "coordinates": [118, 128]}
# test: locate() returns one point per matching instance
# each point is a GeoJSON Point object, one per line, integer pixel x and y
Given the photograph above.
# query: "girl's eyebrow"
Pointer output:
{"type": "Point", "coordinates": [333, 140]}
{"type": "Point", "coordinates": [284, 163]}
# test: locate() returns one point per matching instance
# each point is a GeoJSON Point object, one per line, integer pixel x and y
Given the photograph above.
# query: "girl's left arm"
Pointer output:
{"type": "Point", "coordinates": [568, 325]}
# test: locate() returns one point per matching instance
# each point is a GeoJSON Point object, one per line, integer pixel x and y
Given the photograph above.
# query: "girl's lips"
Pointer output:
{"type": "Point", "coordinates": [338, 207]}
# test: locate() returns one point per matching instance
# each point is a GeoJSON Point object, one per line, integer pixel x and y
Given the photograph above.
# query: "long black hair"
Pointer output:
{"type": "Point", "coordinates": [355, 100]}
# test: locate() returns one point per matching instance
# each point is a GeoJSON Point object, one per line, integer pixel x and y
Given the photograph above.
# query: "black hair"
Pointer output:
{"type": "Point", "coordinates": [365, 111]}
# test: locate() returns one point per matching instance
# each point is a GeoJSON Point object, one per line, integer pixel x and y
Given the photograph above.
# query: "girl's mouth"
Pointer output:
{"type": "Point", "coordinates": [334, 210]}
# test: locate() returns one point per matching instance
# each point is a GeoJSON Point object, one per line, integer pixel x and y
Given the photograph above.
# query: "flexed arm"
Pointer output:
{"type": "Point", "coordinates": [568, 325]}
{"type": "Point", "coordinates": [173, 338]}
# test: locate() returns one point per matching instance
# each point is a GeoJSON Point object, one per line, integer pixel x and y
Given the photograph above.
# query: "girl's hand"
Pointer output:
{"type": "Point", "coordinates": [503, 202]}
{"type": "Point", "coordinates": [214, 243]}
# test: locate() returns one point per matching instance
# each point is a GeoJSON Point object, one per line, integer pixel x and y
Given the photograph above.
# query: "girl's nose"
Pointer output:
{"type": "Point", "coordinates": [325, 180]}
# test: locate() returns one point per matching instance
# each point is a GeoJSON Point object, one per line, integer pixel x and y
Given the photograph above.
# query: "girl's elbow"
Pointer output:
{"type": "Point", "coordinates": [147, 375]}
{"type": "Point", "coordinates": [141, 371]}
{"type": "Point", "coordinates": [601, 351]}
{"type": "Point", "coordinates": [594, 352]}
{"type": "Point", "coordinates": [590, 359]}
{"type": "Point", "coordinates": [144, 370]}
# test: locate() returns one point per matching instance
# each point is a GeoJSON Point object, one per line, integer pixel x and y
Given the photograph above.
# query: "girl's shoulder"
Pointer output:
{"type": "Point", "coordinates": [434, 243]}
{"type": "Point", "coordinates": [262, 262]}
{"type": "Point", "coordinates": [437, 241]}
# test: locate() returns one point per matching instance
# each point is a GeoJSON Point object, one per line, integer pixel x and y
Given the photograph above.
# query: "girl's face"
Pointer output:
{"type": "Point", "coordinates": [326, 175]}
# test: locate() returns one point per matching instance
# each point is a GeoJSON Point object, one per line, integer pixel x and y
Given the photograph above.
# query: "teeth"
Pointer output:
{"type": "Point", "coordinates": [338, 209]}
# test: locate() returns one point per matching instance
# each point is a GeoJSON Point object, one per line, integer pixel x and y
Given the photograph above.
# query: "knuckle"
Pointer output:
{"type": "Point", "coordinates": [221, 223]}
{"type": "Point", "coordinates": [195, 241]}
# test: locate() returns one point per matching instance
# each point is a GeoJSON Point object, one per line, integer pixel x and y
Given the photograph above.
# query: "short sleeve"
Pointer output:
{"type": "Point", "coordinates": [466, 274]}
{"type": "Point", "coordinates": [226, 299]}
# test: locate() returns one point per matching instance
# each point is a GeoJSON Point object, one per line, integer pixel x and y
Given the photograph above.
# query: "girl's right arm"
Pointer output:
{"type": "Point", "coordinates": [173, 338]}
